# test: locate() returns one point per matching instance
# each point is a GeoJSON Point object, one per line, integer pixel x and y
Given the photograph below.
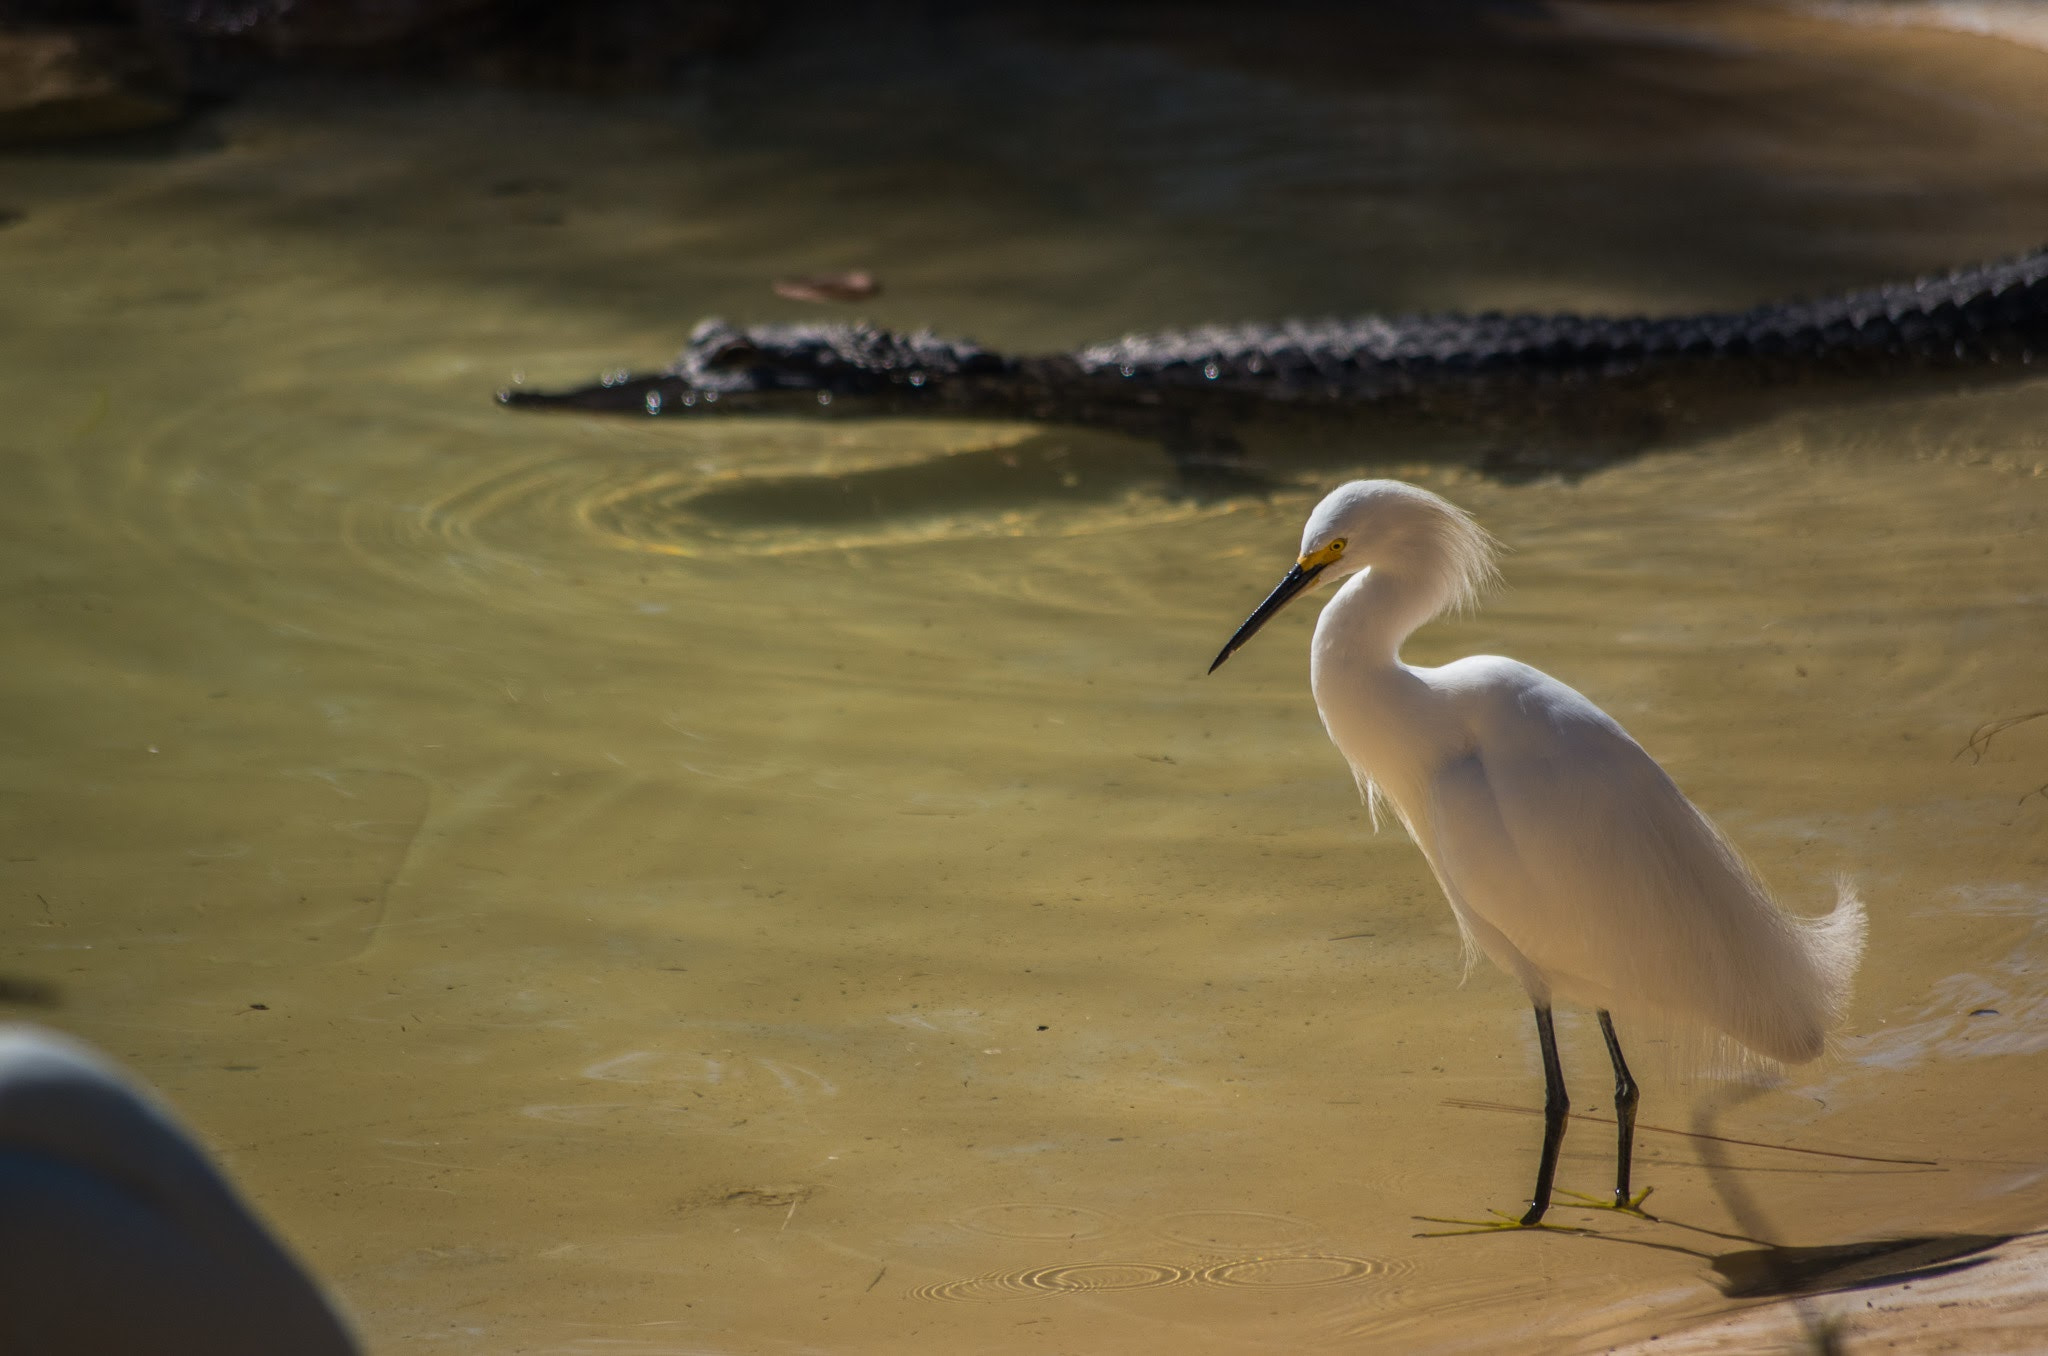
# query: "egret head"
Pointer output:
{"type": "Point", "coordinates": [1381, 524]}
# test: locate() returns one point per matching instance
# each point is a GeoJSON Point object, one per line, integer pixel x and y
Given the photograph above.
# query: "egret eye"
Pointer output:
{"type": "Point", "coordinates": [1323, 555]}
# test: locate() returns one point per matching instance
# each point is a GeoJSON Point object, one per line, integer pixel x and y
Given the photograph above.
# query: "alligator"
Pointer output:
{"type": "Point", "coordinates": [1521, 388]}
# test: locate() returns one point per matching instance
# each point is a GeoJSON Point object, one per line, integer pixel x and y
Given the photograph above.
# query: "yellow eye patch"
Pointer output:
{"type": "Point", "coordinates": [1322, 555]}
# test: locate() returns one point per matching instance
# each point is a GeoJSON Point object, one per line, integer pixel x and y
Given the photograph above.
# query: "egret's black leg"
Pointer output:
{"type": "Point", "coordinates": [1556, 1110]}
{"type": "Point", "coordinates": [1624, 1113]}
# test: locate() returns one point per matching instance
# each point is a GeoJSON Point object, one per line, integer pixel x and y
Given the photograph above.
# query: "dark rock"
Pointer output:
{"type": "Point", "coordinates": [282, 26]}
{"type": "Point", "coordinates": [58, 85]}
{"type": "Point", "coordinates": [594, 45]}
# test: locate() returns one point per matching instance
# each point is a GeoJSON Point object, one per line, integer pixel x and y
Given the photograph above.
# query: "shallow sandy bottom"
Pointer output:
{"type": "Point", "coordinates": [687, 887]}
{"type": "Point", "coordinates": [1989, 1303]}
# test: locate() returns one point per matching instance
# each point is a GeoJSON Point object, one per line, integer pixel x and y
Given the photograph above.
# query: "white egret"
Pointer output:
{"type": "Point", "coordinates": [1568, 856]}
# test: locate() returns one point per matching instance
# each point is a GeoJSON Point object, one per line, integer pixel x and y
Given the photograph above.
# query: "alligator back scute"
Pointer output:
{"type": "Point", "coordinates": [1225, 372]}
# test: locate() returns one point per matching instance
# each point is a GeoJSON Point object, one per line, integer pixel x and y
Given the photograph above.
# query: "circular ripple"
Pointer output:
{"type": "Point", "coordinates": [1291, 1271]}
{"type": "Point", "coordinates": [1009, 485]}
{"type": "Point", "coordinates": [1298, 1271]}
{"type": "Point", "coordinates": [1073, 1276]}
{"type": "Point", "coordinates": [1036, 1223]}
{"type": "Point", "coordinates": [1000, 1286]}
{"type": "Point", "coordinates": [1066, 1278]}
{"type": "Point", "coordinates": [1232, 1230]}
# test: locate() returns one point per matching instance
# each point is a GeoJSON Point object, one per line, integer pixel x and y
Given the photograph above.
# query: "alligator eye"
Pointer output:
{"type": "Point", "coordinates": [738, 353]}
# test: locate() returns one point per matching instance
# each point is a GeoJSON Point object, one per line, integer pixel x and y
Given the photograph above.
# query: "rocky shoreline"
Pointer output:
{"type": "Point", "coordinates": [74, 69]}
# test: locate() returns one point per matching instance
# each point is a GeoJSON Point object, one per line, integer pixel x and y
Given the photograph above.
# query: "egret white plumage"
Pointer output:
{"type": "Point", "coordinates": [1567, 854]}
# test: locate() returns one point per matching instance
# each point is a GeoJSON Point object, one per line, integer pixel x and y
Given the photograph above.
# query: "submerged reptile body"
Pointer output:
{"type": "Point", "coordinates": [1507, 375]}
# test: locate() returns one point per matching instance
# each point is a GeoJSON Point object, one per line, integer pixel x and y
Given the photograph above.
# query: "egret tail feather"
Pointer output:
{"type": "Point", "coordinates": [1834, 943]}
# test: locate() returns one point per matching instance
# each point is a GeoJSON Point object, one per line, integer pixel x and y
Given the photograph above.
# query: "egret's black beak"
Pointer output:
{"type": "Point", "coordinates": [1298, 579]}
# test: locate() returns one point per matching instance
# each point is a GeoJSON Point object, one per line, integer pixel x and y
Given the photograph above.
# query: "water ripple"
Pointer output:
{"type": "Point", "coordinates": [1291, 1272]}
{"type": "Point", "coordinates": [1035, 1223]}
{"type": "Point", "coordinates": [1232, 1230]}
{"type": "Point", "coordinates": [1279, 1271]}
{"type": "Point", "coordinates": [1045, 485]}
{"type": "Point", "coordinates": [1061, 1278]}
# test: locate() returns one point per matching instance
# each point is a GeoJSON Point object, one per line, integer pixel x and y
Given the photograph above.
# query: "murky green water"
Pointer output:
{"type": "Point", "coordinates": [751, 887]}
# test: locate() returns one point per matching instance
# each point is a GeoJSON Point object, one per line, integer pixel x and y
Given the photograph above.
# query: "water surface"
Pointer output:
{"type": "Point", "coordinates": [615, 886]}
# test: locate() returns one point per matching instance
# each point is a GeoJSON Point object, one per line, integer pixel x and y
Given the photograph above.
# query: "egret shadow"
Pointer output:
{"type": "Point", "coordinates": [1775, 1271]}
{"type": "Point", "coordinates": [1772, 1272]}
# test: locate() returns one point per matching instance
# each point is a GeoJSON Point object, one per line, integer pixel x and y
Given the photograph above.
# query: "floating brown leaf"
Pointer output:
{"type": "Point", "coordinates": [828, 287]}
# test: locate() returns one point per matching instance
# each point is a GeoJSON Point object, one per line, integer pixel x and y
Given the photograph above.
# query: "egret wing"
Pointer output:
{"type": "Point", "coordinates": [1556, 831]}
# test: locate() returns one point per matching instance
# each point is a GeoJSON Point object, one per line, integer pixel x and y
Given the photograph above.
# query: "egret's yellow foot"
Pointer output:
{"type": "Point", "coordinates": [1632, 1206]}
{"type": "Point", "coordinates": [1498, 1224]}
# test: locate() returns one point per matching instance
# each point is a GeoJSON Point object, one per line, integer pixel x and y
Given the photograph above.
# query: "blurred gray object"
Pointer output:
{"type": "Point", "coordinates": [118, 1235]}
